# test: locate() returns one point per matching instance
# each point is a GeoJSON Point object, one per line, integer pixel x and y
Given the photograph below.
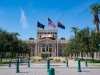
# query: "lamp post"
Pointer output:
{"type": "Point", "coordinates": [99, 50]}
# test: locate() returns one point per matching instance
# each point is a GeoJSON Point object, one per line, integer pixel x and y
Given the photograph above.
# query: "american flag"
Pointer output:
{"type": "Point", "coordinates": [51, 23]}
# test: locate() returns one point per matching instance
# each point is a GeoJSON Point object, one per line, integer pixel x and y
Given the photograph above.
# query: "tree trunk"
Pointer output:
{"type": "Point", "coordinates": [18, 56]}
{"type": "Point", "coordinates": [99, 54]}
{"type": "Point", "coordinates": [92, 54]}
{"type": "Point", "coordinates": [77, 56]}
{"type": "Point", "coordinates": [11, 56]}
{"type": "Point", "coordinates": [1, 57]}
{"type": "Point", "coordinates": [81, 55]}
{"type": "Point", "coordinates": [71, 56]}
{"type": "Point", "coordinates": [97, 26]}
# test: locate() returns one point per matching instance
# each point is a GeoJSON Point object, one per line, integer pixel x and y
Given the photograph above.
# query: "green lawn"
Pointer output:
{"type": "Point", "coordinates": [95, 63]}
{"type": "Point", "coordinates": [5, 61]}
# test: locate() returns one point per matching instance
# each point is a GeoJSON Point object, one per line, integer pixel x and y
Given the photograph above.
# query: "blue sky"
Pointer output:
{"type": "Point", "coordinates": [21, 15]}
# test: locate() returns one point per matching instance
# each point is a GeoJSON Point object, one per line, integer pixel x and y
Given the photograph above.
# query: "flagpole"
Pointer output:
{"type": "Point", "coordinates": [36, 40]}
{"type": "Point", "coordinates": [47, 36]}
{"type": "Point", "coordinates": [57, 38]}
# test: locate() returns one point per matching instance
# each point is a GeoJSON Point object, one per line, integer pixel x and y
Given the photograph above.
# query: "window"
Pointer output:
{"type": "Point", "coordinates": [50, 45]}
{"type": "Point", "coordinates": [60, 50]}
{"type": "Point", "coordinates": [50, 49]}
{"type": "Point", "coordinates": [25, 54]}
{"type": "Point", "coordinates": [43, 45]}
{"type": "Point", "coordinates": [55, 33]}
{"type": "Point", "coordinates": [43, 49]}
{"type": "Point", "coordinates": [60, 45]}
{"type": "Point", "coordinates": [33, 45]}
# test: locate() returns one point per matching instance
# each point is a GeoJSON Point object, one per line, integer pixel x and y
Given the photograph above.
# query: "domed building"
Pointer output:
{"type": "Point", "coordinates": [47, 42]}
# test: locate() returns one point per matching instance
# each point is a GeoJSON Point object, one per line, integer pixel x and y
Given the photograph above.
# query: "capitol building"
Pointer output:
{"type": "Point", "coordinates": [47, 41]}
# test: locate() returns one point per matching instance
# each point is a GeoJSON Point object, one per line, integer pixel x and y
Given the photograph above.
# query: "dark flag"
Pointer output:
{"type": "Point", "coordinates": [40, 25]}
{"type": "Point", "coordinates": [61, 25]}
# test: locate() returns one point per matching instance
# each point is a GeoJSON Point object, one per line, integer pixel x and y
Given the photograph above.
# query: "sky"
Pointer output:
{"type": "Point", "coordinates": [21, 15]}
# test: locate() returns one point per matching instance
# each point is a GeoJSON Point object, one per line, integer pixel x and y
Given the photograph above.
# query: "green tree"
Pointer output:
{"type": "Point", "coordinates": [74, 30]}
{"type": "Point", "coordinates": [95, 9]}
{"type": "Point", "coordinates": [93, 41]}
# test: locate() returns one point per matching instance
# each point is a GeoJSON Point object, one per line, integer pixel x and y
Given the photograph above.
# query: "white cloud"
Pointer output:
{"type": "Point", "coordinates": [23, 19]}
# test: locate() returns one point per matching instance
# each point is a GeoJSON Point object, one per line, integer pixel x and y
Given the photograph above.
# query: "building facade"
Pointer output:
{"type": "Point", "coordinates": [47, 42]}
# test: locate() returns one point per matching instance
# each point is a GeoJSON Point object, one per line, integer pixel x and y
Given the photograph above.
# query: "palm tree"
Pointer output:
{"type": "Point", "coordinates": [95, 9]}
{"type": "Point", "coordinates": [74, 29]}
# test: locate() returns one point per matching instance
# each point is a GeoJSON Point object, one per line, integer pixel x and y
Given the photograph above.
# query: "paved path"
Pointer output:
{"type": "Point", "coordinates": [40, 69]}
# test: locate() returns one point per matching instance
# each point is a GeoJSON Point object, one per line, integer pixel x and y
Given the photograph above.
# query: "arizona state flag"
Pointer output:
{"type": "Point", "coordinates": [40, 25]}
{"type": "Point", "coordinates": [61, 25]}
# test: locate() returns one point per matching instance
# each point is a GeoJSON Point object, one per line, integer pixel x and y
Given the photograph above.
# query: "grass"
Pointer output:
{"type": "Point", "coordinates": [95, 64]}
{"type": "Point", "coordinates": [5, 61]}
{"type": "Point", "coordinates": [89, 60]}
{"type": "Point", "coordinates": [96, 60]}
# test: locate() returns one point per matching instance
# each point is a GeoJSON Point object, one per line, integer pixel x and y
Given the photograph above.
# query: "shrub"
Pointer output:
{"type": "Point", "coordinates": [63, 61]}
{"type": "Point", "coordinates": [57, 59]}
{"type": "Point", "coordinates": [44, 55]}
{"type": "Point", "coordinates": [51, 58]}
{"type": "Point", "coordinates": [37, 58]}
{"type": "Point", "coordinates": [31, 61]}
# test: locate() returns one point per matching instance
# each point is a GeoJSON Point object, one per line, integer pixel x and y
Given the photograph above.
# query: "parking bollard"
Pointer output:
{"type": "Point", "coordinates": [28, 63]}
{"type": "Point", "coordinates": [9, 64]}
{"type": "Point", "coordinates": [67, 63]}
{"type": "Point", "coordinates": [79, 66]}
{"type": "Point", "coordinates": [17, 66]}
{"type": "Point", "coordinates": [51, 71]}
{"type": "Point", "coordinates": [86, 65]}
{"type": "Point", "coordinates": [48, 64]}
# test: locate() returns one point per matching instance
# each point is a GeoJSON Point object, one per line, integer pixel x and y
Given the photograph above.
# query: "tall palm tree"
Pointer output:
{"type": "Point", "coordinates": [74, 29]}
{"type": "Point", "coordinates": [95, 9]}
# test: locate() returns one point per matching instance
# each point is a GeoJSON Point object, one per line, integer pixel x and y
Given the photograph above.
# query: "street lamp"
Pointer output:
{"type": "Point", "coordinates": [99, 50]}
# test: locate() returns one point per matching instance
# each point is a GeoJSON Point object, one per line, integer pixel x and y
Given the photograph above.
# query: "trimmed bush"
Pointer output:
{"type": "Point", "coordinates": [31, 61]}
{"type": "Point", "coordinates": [57, 59]}
{"type": "Point", "coordinates": [63, 61]}
{"type": "Point", "coordinates": [37, 59]}
{"type": "Point", "coordinates": [51, 58]}
{"type": "Point", "coordinates": [44, 55]}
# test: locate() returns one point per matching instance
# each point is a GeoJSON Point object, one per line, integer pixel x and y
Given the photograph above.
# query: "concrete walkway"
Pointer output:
{"type": "Point", "coordinates": [41, 69]}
